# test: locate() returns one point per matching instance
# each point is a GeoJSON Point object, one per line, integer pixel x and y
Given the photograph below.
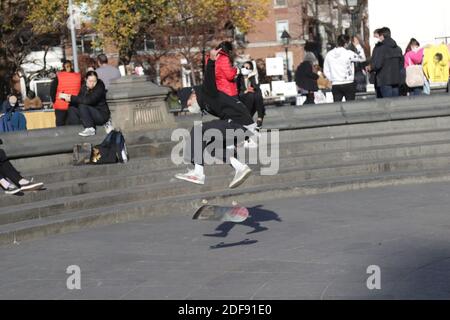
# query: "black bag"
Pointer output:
{"type": "Point", "coordinates": [111, 150]}
{"type": "Point", "coordinates": [82, 154]}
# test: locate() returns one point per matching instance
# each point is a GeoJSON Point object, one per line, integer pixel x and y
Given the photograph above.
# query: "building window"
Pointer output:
{"type": "Point", "coordinates": [147, 44]}
{"type": "Point", "coordinates": [280, 3]}
{"type": "Point", "coordinates": [281, 26]}
{"type": "Point", "coordinates": [86, 44]}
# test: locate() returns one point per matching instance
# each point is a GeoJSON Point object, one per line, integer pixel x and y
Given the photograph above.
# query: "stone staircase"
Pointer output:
{"type": "Point", "coordinates": [316, 160]}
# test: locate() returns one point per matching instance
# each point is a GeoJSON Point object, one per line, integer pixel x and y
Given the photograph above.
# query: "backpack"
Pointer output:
{"type": "Point", "coordinates": [82, 154]}
{"type": "Point", "coordinates": [112, 150]}
{"type": "Point", "coordinates": [13, 121]}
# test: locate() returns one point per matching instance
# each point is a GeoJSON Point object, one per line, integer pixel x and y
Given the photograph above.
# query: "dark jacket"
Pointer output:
{"type": "Point", "coordinates": [95, 98]}
{"type": "Point", "coordinates": [253, 100]}
{"type": "Point", "coordinates": [241, 84]}
{"type": "Point", "coordinates": [388, 64]}
{"type": "Point", "coordinates": [305, 78]}
{"type": "Point", "coordinates": [218, 103]}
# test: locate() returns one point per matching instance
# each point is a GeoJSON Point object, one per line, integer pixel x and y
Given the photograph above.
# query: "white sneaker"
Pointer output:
{"type": "Point", "coordinates": [191, 176]}
{"type": "Point", "coordinates": [240, 177]}
{"type": "Point", "coordinates": [108, 126]}
{"type": "Point", "coordinates": [12, 189]}
{"type": "Point", "coordinates": [32, 186]}
{"type": "Point", "coordinates": [87, 132]}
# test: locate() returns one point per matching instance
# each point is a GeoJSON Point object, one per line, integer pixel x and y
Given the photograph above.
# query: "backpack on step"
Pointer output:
{"type": "Point", "coordinates": [82, 154]}
{"type": "Point", "coordinates": [112, 150]}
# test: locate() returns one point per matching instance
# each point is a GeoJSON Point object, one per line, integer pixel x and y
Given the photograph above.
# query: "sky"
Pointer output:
{"type": "Point", "coordinates": [423, 20]}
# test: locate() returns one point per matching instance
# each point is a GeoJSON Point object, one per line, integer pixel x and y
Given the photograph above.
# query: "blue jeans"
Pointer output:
{"type": "Point", "coordinates": [389, 91]}
{"type": "Point", "coordinates": [417, 91]}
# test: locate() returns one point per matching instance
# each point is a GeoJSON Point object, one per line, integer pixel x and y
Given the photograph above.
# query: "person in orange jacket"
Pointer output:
{"type": "Point", "coordinates": [67, 82]}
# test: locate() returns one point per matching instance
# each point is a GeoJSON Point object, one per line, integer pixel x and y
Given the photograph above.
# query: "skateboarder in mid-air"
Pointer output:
{"type": "Point", "coordinates": [233, 116]}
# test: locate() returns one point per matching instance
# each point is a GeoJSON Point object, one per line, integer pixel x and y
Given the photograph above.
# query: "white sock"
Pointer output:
{"type": "Point", "coordinates": [237, 165]}
{"type": "Point", "coordinates": [24, 182]}
{"type": "Point", "coordinates": [199, 170]}
{"type": "Point", "coordinates": [4, 183]}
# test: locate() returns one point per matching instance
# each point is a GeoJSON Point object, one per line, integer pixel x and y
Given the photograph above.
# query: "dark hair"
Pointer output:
{"type": "Point", "coordinates": [68, 62]}
{"type": "Point", "coordinates": [385, 32]}
{"type": "Point", "coordinates": [249, 63]}
{"type": "Point", "coordinates": [412, 42]}
{"type": "Point", "coordinates": [377, 31]}
{"type": "Point", "coordinates": [31, 95]}
{"type": "Point", "coordinates": [102, 58]}
{"type": "Point", "coordinates": [226, 47]}
{"type": "Point", "coordinates": [439, 56]}
{"type": "Point", "coordinates": [91, 73]}
{"type": "Point", "coordinates": [342, 40]}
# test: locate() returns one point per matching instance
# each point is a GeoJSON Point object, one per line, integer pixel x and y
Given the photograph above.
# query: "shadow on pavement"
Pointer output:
{"type": "Point", "coordinates": [256, 215]}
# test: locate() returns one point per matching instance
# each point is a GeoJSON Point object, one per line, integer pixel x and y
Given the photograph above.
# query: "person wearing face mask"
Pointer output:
{"type": "Point", "coordinates": [91, 108]}
{"type": "Point", "coordinates": [250, 93]}
{"type": "Point", "coordinates": [232, 114]}
{"type": "Point", "coordinates": [372, 75]}
{"type": "Point", "coordinates": [414, 57]}
{"type": "Point", "coordinates": [340, 69]}
{"type": "Point", "coordinates": [388, 64]}
{"type": "Point", "coordinates": [68, 82]}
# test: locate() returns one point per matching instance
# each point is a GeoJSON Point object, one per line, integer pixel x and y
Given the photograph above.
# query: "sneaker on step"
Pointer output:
{"type": "Point", "coordinates": [108, 126]}
{"type": "Point", "coordinates": [32, 186]}
{"type": "Point", "coordinates": [87, 132]}
{"type": "Point", "coordinates": [240, 177]}
{"type": "Point", "coordinates": [191, 176]}
{"type": "Point", "coordinates": [12, 189]}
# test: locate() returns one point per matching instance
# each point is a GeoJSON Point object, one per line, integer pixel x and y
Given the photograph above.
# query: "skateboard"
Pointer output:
{"type": "Point", "coordinates": [220, 213]}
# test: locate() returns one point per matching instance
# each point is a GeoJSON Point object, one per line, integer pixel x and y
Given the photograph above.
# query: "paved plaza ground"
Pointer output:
{"type": "Point", "coordinates": [315, 247]}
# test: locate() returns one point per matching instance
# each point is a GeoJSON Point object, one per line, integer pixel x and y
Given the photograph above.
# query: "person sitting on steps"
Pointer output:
{"type": "Point", "coordinates": [11, 180]}
{"type": "Point", "coordinates": [91, 108]}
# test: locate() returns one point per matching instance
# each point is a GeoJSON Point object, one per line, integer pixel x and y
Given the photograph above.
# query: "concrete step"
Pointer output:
{"type": "Point", "coordinates": [325, 152]}
{"type": "Point", "coordinates": [64, 160]}
{"type": "Point", "coordinates": [142, 172]}
{"type": "Point", "coordinates": [147, 187]}
{"type": "Point", "coordinates": [184, 206]}
{"type": "Point", "coordinates": [353, 145]}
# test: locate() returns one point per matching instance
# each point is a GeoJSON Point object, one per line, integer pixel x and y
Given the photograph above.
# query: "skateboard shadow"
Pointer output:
{"type": "Point", "coordinates": [256, 216]}
{"type": "Point", "coordinates": [222, 245]}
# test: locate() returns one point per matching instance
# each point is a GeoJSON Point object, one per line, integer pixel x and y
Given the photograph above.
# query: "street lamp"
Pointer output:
{"type": "Point", "coordinates": [285, 38]}
{"type": "Point", "coordinates": [352, 4]}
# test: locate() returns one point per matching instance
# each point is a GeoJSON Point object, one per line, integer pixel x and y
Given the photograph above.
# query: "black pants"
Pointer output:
{"type": "Point", "coordinates": [196, 155]}
{"type": "Point", "coordinates": [88, 116]}
{"type": "Point", "coordinates": [61, 117]}
{"type": "Point", "coordinates": [254, 103]}
{"type": "Point", "coordinates": [7, 171]}
{"type": "Point", "coordinates": [344, 90]}
{"type": "Point", "coordinates": [310, 98]}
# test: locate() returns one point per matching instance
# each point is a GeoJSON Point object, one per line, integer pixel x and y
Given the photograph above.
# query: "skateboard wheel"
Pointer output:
{"type": "Point", "coordinates": [204, 201]}
{"type": "Point", "coordinates": [234, 203]}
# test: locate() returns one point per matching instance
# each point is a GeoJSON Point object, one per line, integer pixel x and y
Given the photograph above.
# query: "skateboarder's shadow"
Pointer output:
{"type": "Point", "coordinates": [256, 215]}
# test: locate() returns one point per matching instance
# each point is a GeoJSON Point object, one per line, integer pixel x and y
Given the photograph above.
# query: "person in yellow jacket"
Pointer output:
{"type": "Point", "coordinates": [436, 63]}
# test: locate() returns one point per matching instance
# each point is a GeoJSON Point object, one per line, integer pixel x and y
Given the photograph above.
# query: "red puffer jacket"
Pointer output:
{"type": "Point", "coordinates": [225, 75]}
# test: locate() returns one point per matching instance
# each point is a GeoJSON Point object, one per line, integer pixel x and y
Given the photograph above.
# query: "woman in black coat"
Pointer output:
{"type": "Point", "coordinates": [250, 93]}
{"type": "Point", "coordinates": [90, 106]}
{"type": "Point", "coordinates": [306, 78]}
